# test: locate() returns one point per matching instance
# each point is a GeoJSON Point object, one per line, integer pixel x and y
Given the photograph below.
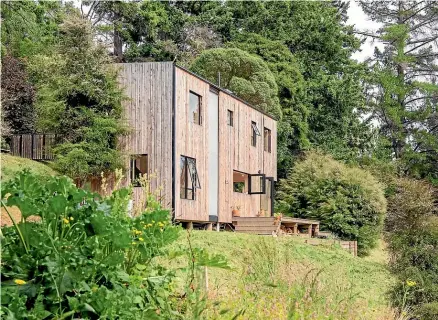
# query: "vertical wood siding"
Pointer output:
{"type": "Point", "coordinates": [191, 141]}
{"type": "Point", "coordinates": [148, 111]}
{"type": "Point", "coordinates": [235, 151]}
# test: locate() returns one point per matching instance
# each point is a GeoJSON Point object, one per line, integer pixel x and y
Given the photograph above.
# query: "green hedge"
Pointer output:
{"type": "Point", "coordinates": [347, 201]}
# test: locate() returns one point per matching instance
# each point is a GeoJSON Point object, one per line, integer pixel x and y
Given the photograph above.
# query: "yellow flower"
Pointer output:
{"type": "Point", "coordinates": [149, 224]}
{"type": "Point", "coordinates": [94, 289]}
{"type": "Point", "coordinates": [71, 218]}
{"type": "Point", "coordinates": [137, 232]}
{"type": "Point", "coordinates": [160, 224]}
{"type": "Point", "coordinates": [410, 283]}
{"type": "Point", "coordinates": [141, 239]}
{"type": "Point", "coordinates": [134, 243]}
{"type": "Point", "coordinates": [19, 282]}
{"type": "Point", "coordinates": [65, 221]}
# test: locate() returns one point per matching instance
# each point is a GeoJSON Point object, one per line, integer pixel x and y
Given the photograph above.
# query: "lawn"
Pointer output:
{"type": "Point", "coordinates": [10, 165]}
{"type": "Point", "coordinates": [283, 278]}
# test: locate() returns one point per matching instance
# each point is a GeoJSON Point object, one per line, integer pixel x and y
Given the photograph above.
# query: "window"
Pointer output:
{"type": "Point", "coordinates": [254, 133]}
{"type": "Point", "coordinates": [230, 118]}
{"type": "Point", "coordinates": [248, 183]}
{"type": "Point", "coordinates": [267, 139]}
{"type": "Point", "coordinates": [195, 108]}
{"type": "Point", "coordinates": [240, 182]}
{"type": "Point", "coordinates": [189, 178]}
{"type": "Point", "coordinates": [138, 167]}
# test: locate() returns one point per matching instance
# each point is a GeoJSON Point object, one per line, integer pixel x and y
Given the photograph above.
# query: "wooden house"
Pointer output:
{"type": "Point", "coordinates": [212, 152]}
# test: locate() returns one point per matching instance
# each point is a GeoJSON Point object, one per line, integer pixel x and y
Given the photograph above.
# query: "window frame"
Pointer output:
{"type": "Point", "coordinates": [230, 118]}
{"type": "Point", "coordinates": [191, 171]}
{"type": "Point", "coordinates": [134, 181]}
{"type": "Point", "coordinates": [263, 183]}
{"type": "Point", "coordinates": [267, 146]}
{"type": "Point", "coordinates": [199, 108]}
{"type": "Point", "coordinates": [254, 133]}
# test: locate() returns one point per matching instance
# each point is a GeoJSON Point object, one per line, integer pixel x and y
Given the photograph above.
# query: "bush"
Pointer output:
{"type": "Point", "coordinates": [413, 245]}
{"type": "Point", "coordinates": [347, 201]}
{"type": "Point", "coordinates": [85, 258]}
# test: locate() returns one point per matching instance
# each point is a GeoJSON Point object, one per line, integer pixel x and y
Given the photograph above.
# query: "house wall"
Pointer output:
{"type": "Point", "coordinates": [235, 151]}
{"type": "Point", "coordinates": [191, 141]}
{"type": "Point", "coordinates": [148, 111]}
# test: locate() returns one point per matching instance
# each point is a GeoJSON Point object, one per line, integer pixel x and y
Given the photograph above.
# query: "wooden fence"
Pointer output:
{"type": "Point", "coordinates": [33, 146]}
{"type": "Point", "coordinates": [350, 246]}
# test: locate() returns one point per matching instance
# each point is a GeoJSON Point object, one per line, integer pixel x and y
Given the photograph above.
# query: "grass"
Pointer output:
{"type": "Point", "coordinates": [283, 278]}
{"type": "Point", "coordinates": [10, 165]}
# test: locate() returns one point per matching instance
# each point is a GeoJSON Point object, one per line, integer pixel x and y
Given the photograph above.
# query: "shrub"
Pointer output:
{"type": "Point", "coordinates": [413, 245]}
{"type": "Point", "coordinates": [347, 201]}
{"type": "Point", "coordinates": [85, 258]}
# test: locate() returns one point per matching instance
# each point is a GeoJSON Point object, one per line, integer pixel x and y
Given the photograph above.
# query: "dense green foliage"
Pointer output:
{"type": "Point", "coordinates": [87, 258]}
{"type": "Point", "coordinates": [84, 253]}
{"type": "Point", "coordinates": [402, 90]}
{"type": "Point", "coordinates": [413, 244]}
{"type": "Point", "coordinates": [84, 108]}
{"type": "Point", "coordinates": [245, 75]}
{"type": "Point", "coordinates": [348, 201]}
{"type": "Point", "coordinates": [18, 96]}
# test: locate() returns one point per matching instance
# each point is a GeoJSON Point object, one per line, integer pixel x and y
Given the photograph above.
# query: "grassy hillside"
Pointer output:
{"type": "Point", "coordinates": [283, 278]}
{"type": "Point", "coordinates": [11, 165]}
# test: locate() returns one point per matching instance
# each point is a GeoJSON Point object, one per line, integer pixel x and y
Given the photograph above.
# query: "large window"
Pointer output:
{"type": "Point", "coordinates": [138, 167]}
{"type": "Point", "coordinates": [267, 139]}
{"type": "Point", "coordinates": [195, 108]}
{"type": "Point", "coordinates": [230, 118]}
{"type": "Point", "coordinates": [249, 183]}
{"type": "Point", "coordinates": [189, 178]}
{"type": "Point", "coordinates": [254, 133]}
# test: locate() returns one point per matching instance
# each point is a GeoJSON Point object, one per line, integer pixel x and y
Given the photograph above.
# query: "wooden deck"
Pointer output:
{"type": "Point", "coordinates": [270, 225]}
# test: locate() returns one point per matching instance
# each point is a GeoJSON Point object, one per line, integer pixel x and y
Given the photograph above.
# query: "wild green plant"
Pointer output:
{"type": "Point", "coordinates": [348, 201]}
{"type": "Point", "coordinates": [83, 259]}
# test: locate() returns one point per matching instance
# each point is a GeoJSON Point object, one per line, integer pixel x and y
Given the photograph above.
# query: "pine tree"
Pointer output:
{"type": "Point", "coordinates": [403, 93]}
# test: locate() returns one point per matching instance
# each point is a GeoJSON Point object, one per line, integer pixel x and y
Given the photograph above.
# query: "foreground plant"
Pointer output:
{"type": "Point", "coordinates": [85, 258]}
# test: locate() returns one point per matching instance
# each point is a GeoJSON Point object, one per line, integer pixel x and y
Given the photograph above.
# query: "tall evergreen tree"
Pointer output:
{"type": "Point", "coordinates": [403, 93]}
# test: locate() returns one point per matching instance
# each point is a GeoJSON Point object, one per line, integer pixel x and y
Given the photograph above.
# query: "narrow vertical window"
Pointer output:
{"type": "Point", "coordinates": [138, 168]}
{"type": "Point", "coordinates": [189, 178]}
{"type": "Point", "coordinates": [230, 119]}
{"type": "Point", "coordinates": [195, 108]}
{"type": "Point", "coordinates": [254, 133]}
{"type": "Point", "coordinates": [267, 140]}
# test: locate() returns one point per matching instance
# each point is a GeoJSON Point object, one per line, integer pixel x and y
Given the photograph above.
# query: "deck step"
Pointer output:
{"type": "Point", "coordinates": [255, 223]}
{"type": "Point", "coordinates": [255, 232]}
{"type": "Point", "coordinates": [245, 227]}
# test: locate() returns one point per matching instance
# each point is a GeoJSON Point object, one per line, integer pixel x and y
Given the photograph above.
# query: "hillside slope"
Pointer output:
{"type": "Point", "coordinates": [10, 165]}
{"type": "Point", "coordinates": [284, 278]}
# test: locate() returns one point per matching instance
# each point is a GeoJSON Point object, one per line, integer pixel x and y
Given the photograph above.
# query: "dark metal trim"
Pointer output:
{"type": "Point", "coordinates": [263, 191]}
{"type": "Point", "coordinates": [212, 218]}
{"type": "Point", "coordinates": [224, 91]}
{"type": "Point", "coordinates": [271, 179]}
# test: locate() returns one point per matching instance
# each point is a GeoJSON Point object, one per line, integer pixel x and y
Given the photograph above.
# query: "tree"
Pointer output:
{"type": "Point", "coordinates": [78, 98]}
{"type": "Point", "coordinates": [347, 201]}
{"type": "Point", "coordinates": [244, 74]}
{"type": "Point", "coordinates": [18, 97]}
{"type": "Point", "coordinates": [30, 27]}
{"type": "Point", "coordinates": [293, 129]}
{"type": "Point", "coordinates": [412, 237]}
{"type": "Point", "coordinates": [403, 94]}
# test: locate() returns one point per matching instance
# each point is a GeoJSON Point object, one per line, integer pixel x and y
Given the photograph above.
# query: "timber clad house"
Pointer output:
{"type": "Point", "coordinates": [211, 151]}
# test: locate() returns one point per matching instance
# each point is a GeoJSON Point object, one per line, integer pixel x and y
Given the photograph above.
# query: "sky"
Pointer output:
{"type": "Point", "coordinates": [360, 21]}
